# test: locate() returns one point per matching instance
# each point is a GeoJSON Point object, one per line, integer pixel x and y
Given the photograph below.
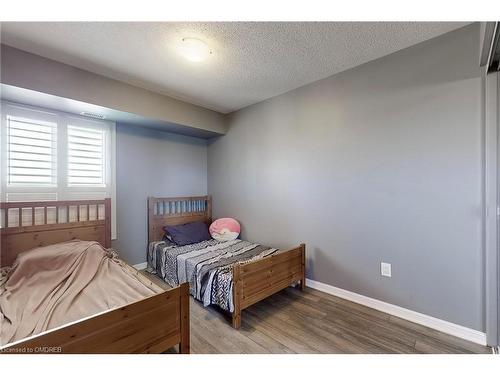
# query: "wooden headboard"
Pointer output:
{"type": "Point", "coordinates": [26, 225]}
{"type": "Point", "coordinates": [175, 211]}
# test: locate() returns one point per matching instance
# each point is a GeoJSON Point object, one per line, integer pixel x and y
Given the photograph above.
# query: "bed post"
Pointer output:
{"type": "Point", "coordinates": [303, 268]}
{"type": "Point", "coordinates": [209, 209]}
{"type": "Point", "coordinates": [237, 286]}
{"type": "Point", "coordinates": [184, 346]}
{"type": "Point", "coordinates": [107, 217]}
{"type": "Point", "coordinates": [151, 206]}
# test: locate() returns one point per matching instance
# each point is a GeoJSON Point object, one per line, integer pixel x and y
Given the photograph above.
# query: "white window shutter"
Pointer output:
{"type": "Point", "coordinates": [86, 156]}
{"type": "Point", "coordinates": [31, 152]}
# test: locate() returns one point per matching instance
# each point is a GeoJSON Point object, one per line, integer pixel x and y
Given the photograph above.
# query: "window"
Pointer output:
{"type": "Point", "coordinates": [31, 150]}
{"type": "Point", "coordinates": [49, 155]}
{"type": "Point", "coordinates": [86, 153]}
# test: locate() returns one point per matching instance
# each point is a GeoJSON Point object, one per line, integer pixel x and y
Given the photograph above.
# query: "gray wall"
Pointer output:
{"type": "Point", "coordinates": [27, 70]}
{"type": "Point", "coordinates": [379, 163]}
{"type": "Point", "coordinates": [152, 163]}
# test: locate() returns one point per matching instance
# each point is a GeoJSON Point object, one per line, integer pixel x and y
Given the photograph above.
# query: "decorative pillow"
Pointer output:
{"type": "Point", "coordinates": [187, 234]}
{"type": "Point", "coordinates": [225, 229]}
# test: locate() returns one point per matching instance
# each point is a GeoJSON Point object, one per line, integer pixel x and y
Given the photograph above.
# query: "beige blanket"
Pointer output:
{"type": "Point", "coordinates": [57, 284]}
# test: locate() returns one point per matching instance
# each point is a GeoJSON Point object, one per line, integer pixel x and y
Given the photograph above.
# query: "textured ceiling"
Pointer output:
{"type": "Point", "coordinates": [250, 62]}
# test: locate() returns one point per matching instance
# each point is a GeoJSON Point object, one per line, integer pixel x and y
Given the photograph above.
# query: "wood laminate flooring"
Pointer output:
{"type": "Point", "coordinates": [292, 321]}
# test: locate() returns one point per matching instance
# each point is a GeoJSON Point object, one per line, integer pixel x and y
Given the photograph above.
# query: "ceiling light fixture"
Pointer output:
{"type": "Point", "coordinates": [194, 50]}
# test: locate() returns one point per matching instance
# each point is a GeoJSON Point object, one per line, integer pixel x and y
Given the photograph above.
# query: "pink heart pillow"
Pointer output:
{"type": "Point", "coordinates": [225, 229]}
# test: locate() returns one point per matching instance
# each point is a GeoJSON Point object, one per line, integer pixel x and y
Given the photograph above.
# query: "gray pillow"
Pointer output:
{"type": "Point", "coordinates": [189, 233]}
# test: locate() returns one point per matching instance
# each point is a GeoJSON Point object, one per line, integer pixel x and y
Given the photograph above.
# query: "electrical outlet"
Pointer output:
{"type": "Point", "coordinates": [385, 269]}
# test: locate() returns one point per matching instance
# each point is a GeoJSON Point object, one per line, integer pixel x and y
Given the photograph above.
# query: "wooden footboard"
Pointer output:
{"type": "Point", "coordinates": [257, 280]}
{"type": "Point", "coordinates": [151, 325]}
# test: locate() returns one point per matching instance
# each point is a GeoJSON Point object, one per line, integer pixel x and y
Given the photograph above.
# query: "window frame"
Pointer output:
{"type": "Point", "coordinates": [62, 190]}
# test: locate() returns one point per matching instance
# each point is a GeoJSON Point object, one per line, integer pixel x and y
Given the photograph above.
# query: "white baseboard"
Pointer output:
{"type": "Point", "coordinates": [441, 325]}
{"type": "Point", "coordinates": [140, 266]}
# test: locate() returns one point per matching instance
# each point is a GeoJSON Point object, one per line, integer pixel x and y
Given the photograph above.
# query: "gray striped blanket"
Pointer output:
{"type": "Point", "coordinates": [207, 266]}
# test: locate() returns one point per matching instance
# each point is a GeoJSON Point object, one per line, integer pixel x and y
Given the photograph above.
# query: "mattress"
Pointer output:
{"type": "Point", "coordinates": [50, 286]}
{"type": "Point", "coordinates": [206, 265]}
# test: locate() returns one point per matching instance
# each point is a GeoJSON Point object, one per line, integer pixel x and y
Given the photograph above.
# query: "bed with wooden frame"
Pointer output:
{"type": "Point", "coordinates": [126, 329]}
{"type": "Point", "coordinates": [252, 281]}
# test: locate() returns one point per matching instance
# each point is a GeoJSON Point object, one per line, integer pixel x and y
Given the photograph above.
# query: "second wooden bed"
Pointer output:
{"type": "Point", "coordinates": [252, 282]}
